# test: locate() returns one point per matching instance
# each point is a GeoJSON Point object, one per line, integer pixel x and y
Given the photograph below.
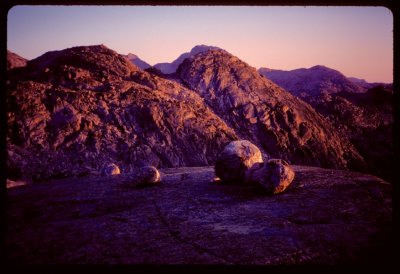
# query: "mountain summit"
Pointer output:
{"type": "Point", "coordinates": [168, 68]}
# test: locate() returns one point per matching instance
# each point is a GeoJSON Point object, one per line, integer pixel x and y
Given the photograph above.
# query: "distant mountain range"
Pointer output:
{"type": "Point", "coordinates": [367, 85]}
{"type": "Point", "coordinates": [71, 111]}
{"type": "Point", "coordinates": [313, 81]}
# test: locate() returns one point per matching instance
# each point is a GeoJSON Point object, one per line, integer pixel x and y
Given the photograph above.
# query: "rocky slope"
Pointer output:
{"type": "Point", "coordinates": [70, 112]}
{"type": "Point", "coordinates": [366, 118]}
{"type": "Point", "coordinates": [15, 61]}
{"type": "Point", "coordinates": [168, 68]}
{"type": "Point", "coordinates": [134, 59]}
{"type": "Point", "coordinates": [282, 125]}
{"type": "Point", "coordinates": [325, 217]}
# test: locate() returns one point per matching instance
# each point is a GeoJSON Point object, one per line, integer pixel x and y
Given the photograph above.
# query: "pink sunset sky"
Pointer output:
{"type": "Point", "coordinates": [358, 41]}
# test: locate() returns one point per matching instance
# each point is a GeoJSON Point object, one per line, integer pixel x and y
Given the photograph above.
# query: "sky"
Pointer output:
{"type": "Point", "coordinates": [357, 41]}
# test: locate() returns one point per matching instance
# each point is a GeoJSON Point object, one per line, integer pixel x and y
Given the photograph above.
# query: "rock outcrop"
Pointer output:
{"type": "Point", "coordinates": [69, 112]}
{"type": "Point", "coordinates": [327, 217]}
{"type": "Point", "coordinates": [280, 124]}
{"type": "Point", "coordinates": [236, 158]}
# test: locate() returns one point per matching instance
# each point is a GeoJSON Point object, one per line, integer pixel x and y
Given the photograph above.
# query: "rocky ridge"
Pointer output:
{"type": "Point", "coordinates": [70, 112]}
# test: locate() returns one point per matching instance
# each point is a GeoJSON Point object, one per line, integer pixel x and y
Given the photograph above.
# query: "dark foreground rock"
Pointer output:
{"type": "Point", "coordinates": [324, 217]}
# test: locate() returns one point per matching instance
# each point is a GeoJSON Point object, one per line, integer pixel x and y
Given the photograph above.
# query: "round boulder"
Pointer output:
{"type": "Point", "coordinates": [236, 158]}
{"type": "Point", "coordinates": [274, 176]}
{"type": "Point", "coordinates": [147, 175]}
{"type": "Point", "coordinates": [110, 169]}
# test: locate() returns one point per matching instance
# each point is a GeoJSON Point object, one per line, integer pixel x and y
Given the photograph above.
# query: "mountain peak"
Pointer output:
{"type": "Point", "coordinates": [320, 67]}
{"type": "Point", "coordinates": [94, 58]}
{"type": "Point", "coordinates": [168, 68]}
{"type": "Point", "coordinates": [131, 55]}
{"type": "Point", "coordinates": [201, 48]}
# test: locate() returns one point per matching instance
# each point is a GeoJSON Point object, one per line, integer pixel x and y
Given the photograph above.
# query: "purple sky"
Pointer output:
{"type": "Point", "coordinates": [358, 41]}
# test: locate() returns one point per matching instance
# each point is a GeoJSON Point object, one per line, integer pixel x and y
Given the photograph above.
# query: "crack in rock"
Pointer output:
{"type": "Point", "coordinates": [175, 236]}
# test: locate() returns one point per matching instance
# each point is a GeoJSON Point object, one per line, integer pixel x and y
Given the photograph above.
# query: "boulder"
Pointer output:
{"type": "Point", "coordinates": [236, 158]}
{"type": "Point", "coordinates": [147, 175]}
{"type": "Point", "coordinates": [111, 169]}
{"type": "Point", "coordinates": [273, 176]}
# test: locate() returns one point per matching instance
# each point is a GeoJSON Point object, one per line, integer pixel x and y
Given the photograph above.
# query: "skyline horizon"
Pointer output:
{"type": "Point", "coordinates": [356, 41]}
{"type": "Point", "coordinates": [170, 61]}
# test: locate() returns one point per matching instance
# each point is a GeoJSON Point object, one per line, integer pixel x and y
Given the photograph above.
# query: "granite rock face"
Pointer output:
{"type": "Point", "coordinates": [272, 177]}
{"type": "Point", "coordinates": [280, 124]}
{"type": "Point", "coordinates": [70, 112]}
{"type": "Point", "coordinates": [327, 217]}
{"type": "Point", "coordinates": [236, 158]}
